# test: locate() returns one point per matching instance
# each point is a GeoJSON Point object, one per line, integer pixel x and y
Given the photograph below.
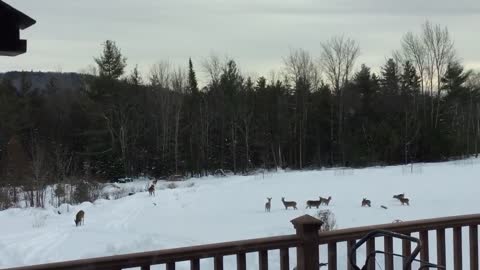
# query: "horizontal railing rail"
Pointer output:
{"type": "Point", "coordinates": [174, 255]}
{"type": "Point", "coordinates": [400, 227]}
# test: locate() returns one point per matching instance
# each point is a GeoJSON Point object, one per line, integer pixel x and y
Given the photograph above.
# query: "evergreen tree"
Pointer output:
{"type": "Point", "coordinates": [410, 82]}
{"type": "Point", "coordinates": [390, 78]}
{"type": "Point", "coordinates": [135, 78]}
{"type": "Point", "coordinates": [111, 63]}
{"type": "Point", "coordinates": [192, 79]}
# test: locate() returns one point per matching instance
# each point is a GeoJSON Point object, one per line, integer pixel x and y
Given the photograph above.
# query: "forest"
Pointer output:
{"type": "Point", "coordinates": [320, 110]}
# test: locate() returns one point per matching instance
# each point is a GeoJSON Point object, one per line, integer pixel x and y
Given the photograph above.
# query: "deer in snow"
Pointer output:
{"type": "Point", "coordinates": [325, 201]}
{"type": "Point", "coordinates": [399, 196]}
{"type": "Point", "coordinates": [311, 203]}
{"type": "Point", "coordinates": [320, 265]}
{"type": "Point", "coordinates": [405, 201]}
{"type": "Point", "coordinates": [289, 204]}
{"type": "Point", "coordinates": [366, 202]}
{"type": "Point", "coordinates": [151, 190]}
{"type": "Point", "coordinates": [79, 218]}
{"type": "Point", "coordinates": [268, 204]}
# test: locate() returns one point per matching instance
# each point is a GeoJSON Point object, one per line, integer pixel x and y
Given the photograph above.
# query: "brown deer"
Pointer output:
{"type": "Point", "coordinates": [325, 201]}
{"type": "Point", "coordinates": [405, 201]}
{"type": "Point", "coordinates": [79, 218]}
{"type": "Point", "coordinates": [399, 196]}
{"type": "Point", "coordinates": [366, 202]}
{"type": "Point", "coordinates": [268, 204]}
{"type": "Point", "coordinates": [314, 203]}
{"type": "Point", "coordinates": [151, 190]}
{"type": "Point", "coordinates": [289, 204]}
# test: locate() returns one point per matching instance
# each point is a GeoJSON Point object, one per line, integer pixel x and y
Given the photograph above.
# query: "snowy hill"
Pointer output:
{"type": "Point", "coordinates": [40, 81]}
{"type": "Point", "coordinates": [212, 210]}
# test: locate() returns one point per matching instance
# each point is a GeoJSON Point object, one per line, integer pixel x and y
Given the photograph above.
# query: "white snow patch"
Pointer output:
{"type": "Point", "coordinates": [213, 209]}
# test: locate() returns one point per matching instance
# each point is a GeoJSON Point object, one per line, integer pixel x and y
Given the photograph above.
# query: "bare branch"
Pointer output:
{"type": "Point", "coordinates": [337, 60]}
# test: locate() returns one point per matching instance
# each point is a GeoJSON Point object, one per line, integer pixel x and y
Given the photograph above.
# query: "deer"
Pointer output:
{"type": "Point", "coordinates": [79, 218]}
{"type": "Point", "coordinates": [399, 196]}
{"type": "Point", "coordinates": [320, 265]}
{"type": "Point", "coordinates": [151, 190]}
{"type": "Point", "coordinates": [405, 201]}
{"type": "Point", "coordinates": [325, 201]}
{"type": "Point", "coordinates": [289, 204]}
{"type": "Point", "coordinates": [366, 202]}
{"type": "Point", "coordinates": [155, 182]}
{"type": "Point", "coordinates": [268, 204]}
{"type": "Point", "coordinates": [311, 203]}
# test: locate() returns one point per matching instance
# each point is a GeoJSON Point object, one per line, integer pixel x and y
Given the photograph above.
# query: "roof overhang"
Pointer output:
{"type": "Point", "coordinates": [11, 22]}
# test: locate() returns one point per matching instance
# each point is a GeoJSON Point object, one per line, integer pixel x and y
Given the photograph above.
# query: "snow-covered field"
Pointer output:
{"type": "Point", "coordinates": [209, 210]}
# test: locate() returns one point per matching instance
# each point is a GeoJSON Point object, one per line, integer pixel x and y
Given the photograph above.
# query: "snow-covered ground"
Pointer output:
{"type": "Point", "coordinates": [209, 210]}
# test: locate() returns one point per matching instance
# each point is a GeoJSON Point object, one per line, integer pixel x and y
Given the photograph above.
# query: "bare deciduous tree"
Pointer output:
{"type": "Point", "coordinates": [214, 67]}
{"type": "Point", "coordinates": [337, 59]}
{"type": "Point", "coordinates": [39, 170]}
{"type": "Point", "coordinates": [441, 52]}
{"type": "Point", "coordinates": [300, 65]}
{"type": "Point", "coordinates": [160, 74]}
{"type": "Point", "coordinates": [301, 71]}
{"type": "Point", "coordinates": [338, 56]}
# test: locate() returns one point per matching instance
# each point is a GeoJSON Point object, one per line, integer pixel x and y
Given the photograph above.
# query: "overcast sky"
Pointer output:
{"type": "Point", "coordinates": [256, 33]}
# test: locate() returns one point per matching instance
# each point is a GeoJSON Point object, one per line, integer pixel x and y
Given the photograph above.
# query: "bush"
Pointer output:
{"type": "Point", "coordinates": [60, 193]}
{"type": "Point", "coordinates": [328, 219]}
{"type": "Point", "coordinates": [172, 186]}
{"type": "Point", "coordinates": [86, 192]}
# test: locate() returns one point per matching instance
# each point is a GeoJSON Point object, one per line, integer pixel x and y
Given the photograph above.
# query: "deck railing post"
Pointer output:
{"type": "Point", "coordinates": [307, 228]}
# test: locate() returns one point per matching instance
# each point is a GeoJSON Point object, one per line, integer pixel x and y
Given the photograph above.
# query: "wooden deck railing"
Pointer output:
{"type": "Point", "coordinates": [306, 241]}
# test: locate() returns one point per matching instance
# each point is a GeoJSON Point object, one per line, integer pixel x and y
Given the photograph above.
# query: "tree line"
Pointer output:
{"type": "Point", "coordinates": [320, 111]}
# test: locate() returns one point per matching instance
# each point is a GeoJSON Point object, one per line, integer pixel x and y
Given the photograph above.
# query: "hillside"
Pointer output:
{"type": "Point", "coordinates": [40, 80]}
{"type": "Point", "coordinates": [212, 209]}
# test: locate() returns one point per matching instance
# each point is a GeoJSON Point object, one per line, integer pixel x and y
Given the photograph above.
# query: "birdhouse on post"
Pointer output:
{"type": "Point", "coordinates": [11, 22]}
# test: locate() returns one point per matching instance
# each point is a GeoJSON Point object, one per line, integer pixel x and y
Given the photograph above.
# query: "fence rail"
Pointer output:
{"type": "Point", "coordinates": [306, 241]}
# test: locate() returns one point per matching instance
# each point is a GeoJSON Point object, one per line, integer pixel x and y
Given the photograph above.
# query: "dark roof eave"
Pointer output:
{"type": "Point", "coordinates": [24, 21]}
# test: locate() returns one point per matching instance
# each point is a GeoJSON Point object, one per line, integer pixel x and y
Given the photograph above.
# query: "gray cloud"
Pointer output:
{"type": "Point", "coordinates": [68, 34]}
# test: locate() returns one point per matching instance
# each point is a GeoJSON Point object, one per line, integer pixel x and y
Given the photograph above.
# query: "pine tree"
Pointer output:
{"type": "Point", "coordinates": [410, 82]}
{"type": "Point", "coordinates": [111, 63]}
{"type": "Point", "coordinates": [135, 78]}
{"type": "Point", "coordinates": [390, 78]}
{"type": "Point", "coordinates": [192, 79]}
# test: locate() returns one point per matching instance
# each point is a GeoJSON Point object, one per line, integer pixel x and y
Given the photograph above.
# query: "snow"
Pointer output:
{"type": "Point", "coordinates": [212, 209]}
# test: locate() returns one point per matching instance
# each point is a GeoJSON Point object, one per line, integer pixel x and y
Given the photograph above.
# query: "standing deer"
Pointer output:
{"type": "Point", "coordinates": [151, 190]}
{"type": "Point", "coordinates": [268, 204]}
{"type": "Point", "coordinates": [79, 218]}
{"type": "Point", "coordinates": [289, 204]}
{"type": "Point", "coordinates": [325, 201]}
{"type": "Point", "coordinates": [366, 202]}
{"type": "Point", "coordinates": [405, 201]}
{"type": "Point", "coordinates": [311, 203]}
